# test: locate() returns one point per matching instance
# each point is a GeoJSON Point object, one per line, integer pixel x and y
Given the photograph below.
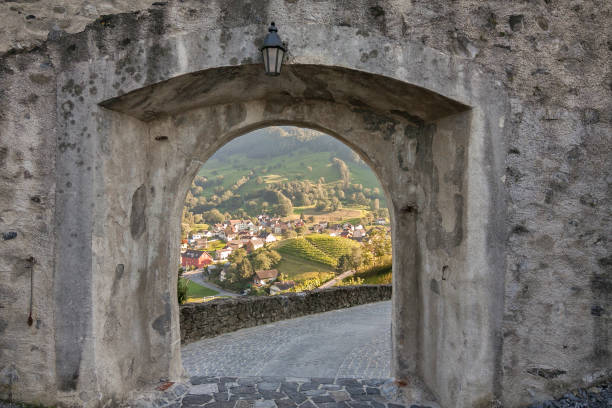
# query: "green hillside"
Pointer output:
{"type": "Point", "coordinates": [300, 269]}
{"type": "Point", "coordinates": [282, 168]}
{"type": "Point", "coordinates": [276, 169]}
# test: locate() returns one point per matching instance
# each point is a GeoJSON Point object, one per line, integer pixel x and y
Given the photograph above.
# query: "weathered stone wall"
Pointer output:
{"type": "Point", "coordinates": [27, 211]}
{"type": "Point", "coordinates": [201, 320]}
{"type": "Point", "coordinates": [552, 57]}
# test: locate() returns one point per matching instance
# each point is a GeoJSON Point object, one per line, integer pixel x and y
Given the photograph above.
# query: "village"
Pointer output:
{"type": "Point", "coordinates": [210, 251]}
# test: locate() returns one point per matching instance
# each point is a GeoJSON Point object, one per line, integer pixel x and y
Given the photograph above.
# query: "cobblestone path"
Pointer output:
{"type": "Point", "coordinates": [272, 392]}
{"type": "Point", "coordinates": [346, 343]}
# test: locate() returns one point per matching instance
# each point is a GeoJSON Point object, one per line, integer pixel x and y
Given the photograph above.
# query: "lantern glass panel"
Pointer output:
{"type": "Point", "coordinates": [279, 60]}
{"type": "Point", "coordinates": [266, 59]}
{"type": "Point", "coordinates": [270, 56]}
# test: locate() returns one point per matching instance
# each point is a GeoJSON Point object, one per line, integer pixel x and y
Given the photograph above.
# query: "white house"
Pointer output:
{"type": "Point", "coordinates": [263, 277]}
{"type": "Point", "coordinates": [222, 254]}
{"type": "Point", "coordinates": [359, 234]}
{"type": "Point", "coordinates": [254, 244]}
{"type": "Point", "coordinates": [269, 238]}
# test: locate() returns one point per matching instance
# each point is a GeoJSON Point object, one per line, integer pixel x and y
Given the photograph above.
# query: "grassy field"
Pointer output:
{"type": "Point", "coordinates": [215, 245]}
{"type": "Point", "coordinates": [196, 292]}
{"type": "Point", "coordinates": [300, 269]}
{"type": "Point", "coordinates": [293, 167]}
{"type": "Point", "coordinates": [335, 216]}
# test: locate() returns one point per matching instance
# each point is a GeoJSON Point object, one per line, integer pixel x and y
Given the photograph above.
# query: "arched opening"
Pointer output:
{"type": "Point", "coordinates": [152, 143]}
{"type": "Point", "coordinates": [414, 140]}
{"type": "Point", "coordinates": [318, 205]}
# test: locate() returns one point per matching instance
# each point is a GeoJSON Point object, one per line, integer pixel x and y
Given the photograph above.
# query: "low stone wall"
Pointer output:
{"type": "Point", "coordinates": [201, 320]}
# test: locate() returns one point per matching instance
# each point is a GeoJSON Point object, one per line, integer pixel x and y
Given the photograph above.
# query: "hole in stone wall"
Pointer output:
{"type": "Point", "coordinates": [445, 272]}
{"type": "Point", "coordinates": [283, 210]}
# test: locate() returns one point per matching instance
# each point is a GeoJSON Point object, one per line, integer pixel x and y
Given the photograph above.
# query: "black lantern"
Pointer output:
{"type": "Point", "coordinates": [273, 51]}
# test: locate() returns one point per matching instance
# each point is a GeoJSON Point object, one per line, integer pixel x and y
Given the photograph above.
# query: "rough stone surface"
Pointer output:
{"type": "Point", "coordinates": [487, 123]}
{"type": "Point", "coordinates": [201, 320]}
{"type": "Point", "coordinates": [235, 395]}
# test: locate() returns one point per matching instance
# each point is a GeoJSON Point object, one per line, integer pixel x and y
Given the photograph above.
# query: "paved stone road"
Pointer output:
{"type": "Point", "coordinates": [272, 392]}
{"type": "Point", "coordinates": [353, 342]}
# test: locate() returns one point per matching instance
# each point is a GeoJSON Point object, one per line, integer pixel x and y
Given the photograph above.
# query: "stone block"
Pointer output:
{"type": "Point", "coordinates": [209, 389]}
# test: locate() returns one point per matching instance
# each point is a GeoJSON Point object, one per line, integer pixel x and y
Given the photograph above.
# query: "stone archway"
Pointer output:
{"type": "Point", "coordinates": [134, 119]}
{"type": "Point", "coordinates": [416, 141]}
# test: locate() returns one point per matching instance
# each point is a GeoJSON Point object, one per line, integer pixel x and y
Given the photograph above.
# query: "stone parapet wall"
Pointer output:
{"type": "Point", "coordinates": [201, 320]}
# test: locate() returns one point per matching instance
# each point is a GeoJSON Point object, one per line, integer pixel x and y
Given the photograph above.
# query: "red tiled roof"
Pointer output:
{"type": "Point", "coordinates": [267, 273]}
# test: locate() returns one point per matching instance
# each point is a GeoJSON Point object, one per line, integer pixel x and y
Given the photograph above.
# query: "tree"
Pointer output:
{"type": "Point", "coordinates": [361, 199]}
{"type": "Point", "coordinates": [181, 290]}
{"type": "Point", "coordinates": [237, 256]}
{"type": "Point", "coordinates": [261, 261]}
{"type": "Point", "coordinates": [335, 204]}
{"type": "Point", "coordinates": [356, 257]}
{"type": "Point", "coordinates": [345, 174]}
{"type": "Point", "coordinates": [245, 269]}
{"type": "Point", "coordinates": [367, 259]}
{"type": "Point", "coordinates": [190, 200]}
{"type": "Point", "coordinates": [213, 216]}
{"type": "Point", "coordinates": [350, 261]}
{"type": "Point", "coordinates": [285, 207]}
{"type": "Point", "coordinates": [379, 244]}
{"type": "Point", "coordinates": [344, 263]}
{"type": "Point", "coordinates": [322, 205]}
{"type": "Point", "coordinates": [274, 256]}
{"type": "Point", "coordinates": [227, 195]}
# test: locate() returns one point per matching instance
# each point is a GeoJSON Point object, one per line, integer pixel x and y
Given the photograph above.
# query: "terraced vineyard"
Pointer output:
{"type": "Point", "coordinates": [318, 248]}
{"type": "Point", "coordinates": [334, 247]}
{"type": "Point", "coordinates": [301, 247]}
